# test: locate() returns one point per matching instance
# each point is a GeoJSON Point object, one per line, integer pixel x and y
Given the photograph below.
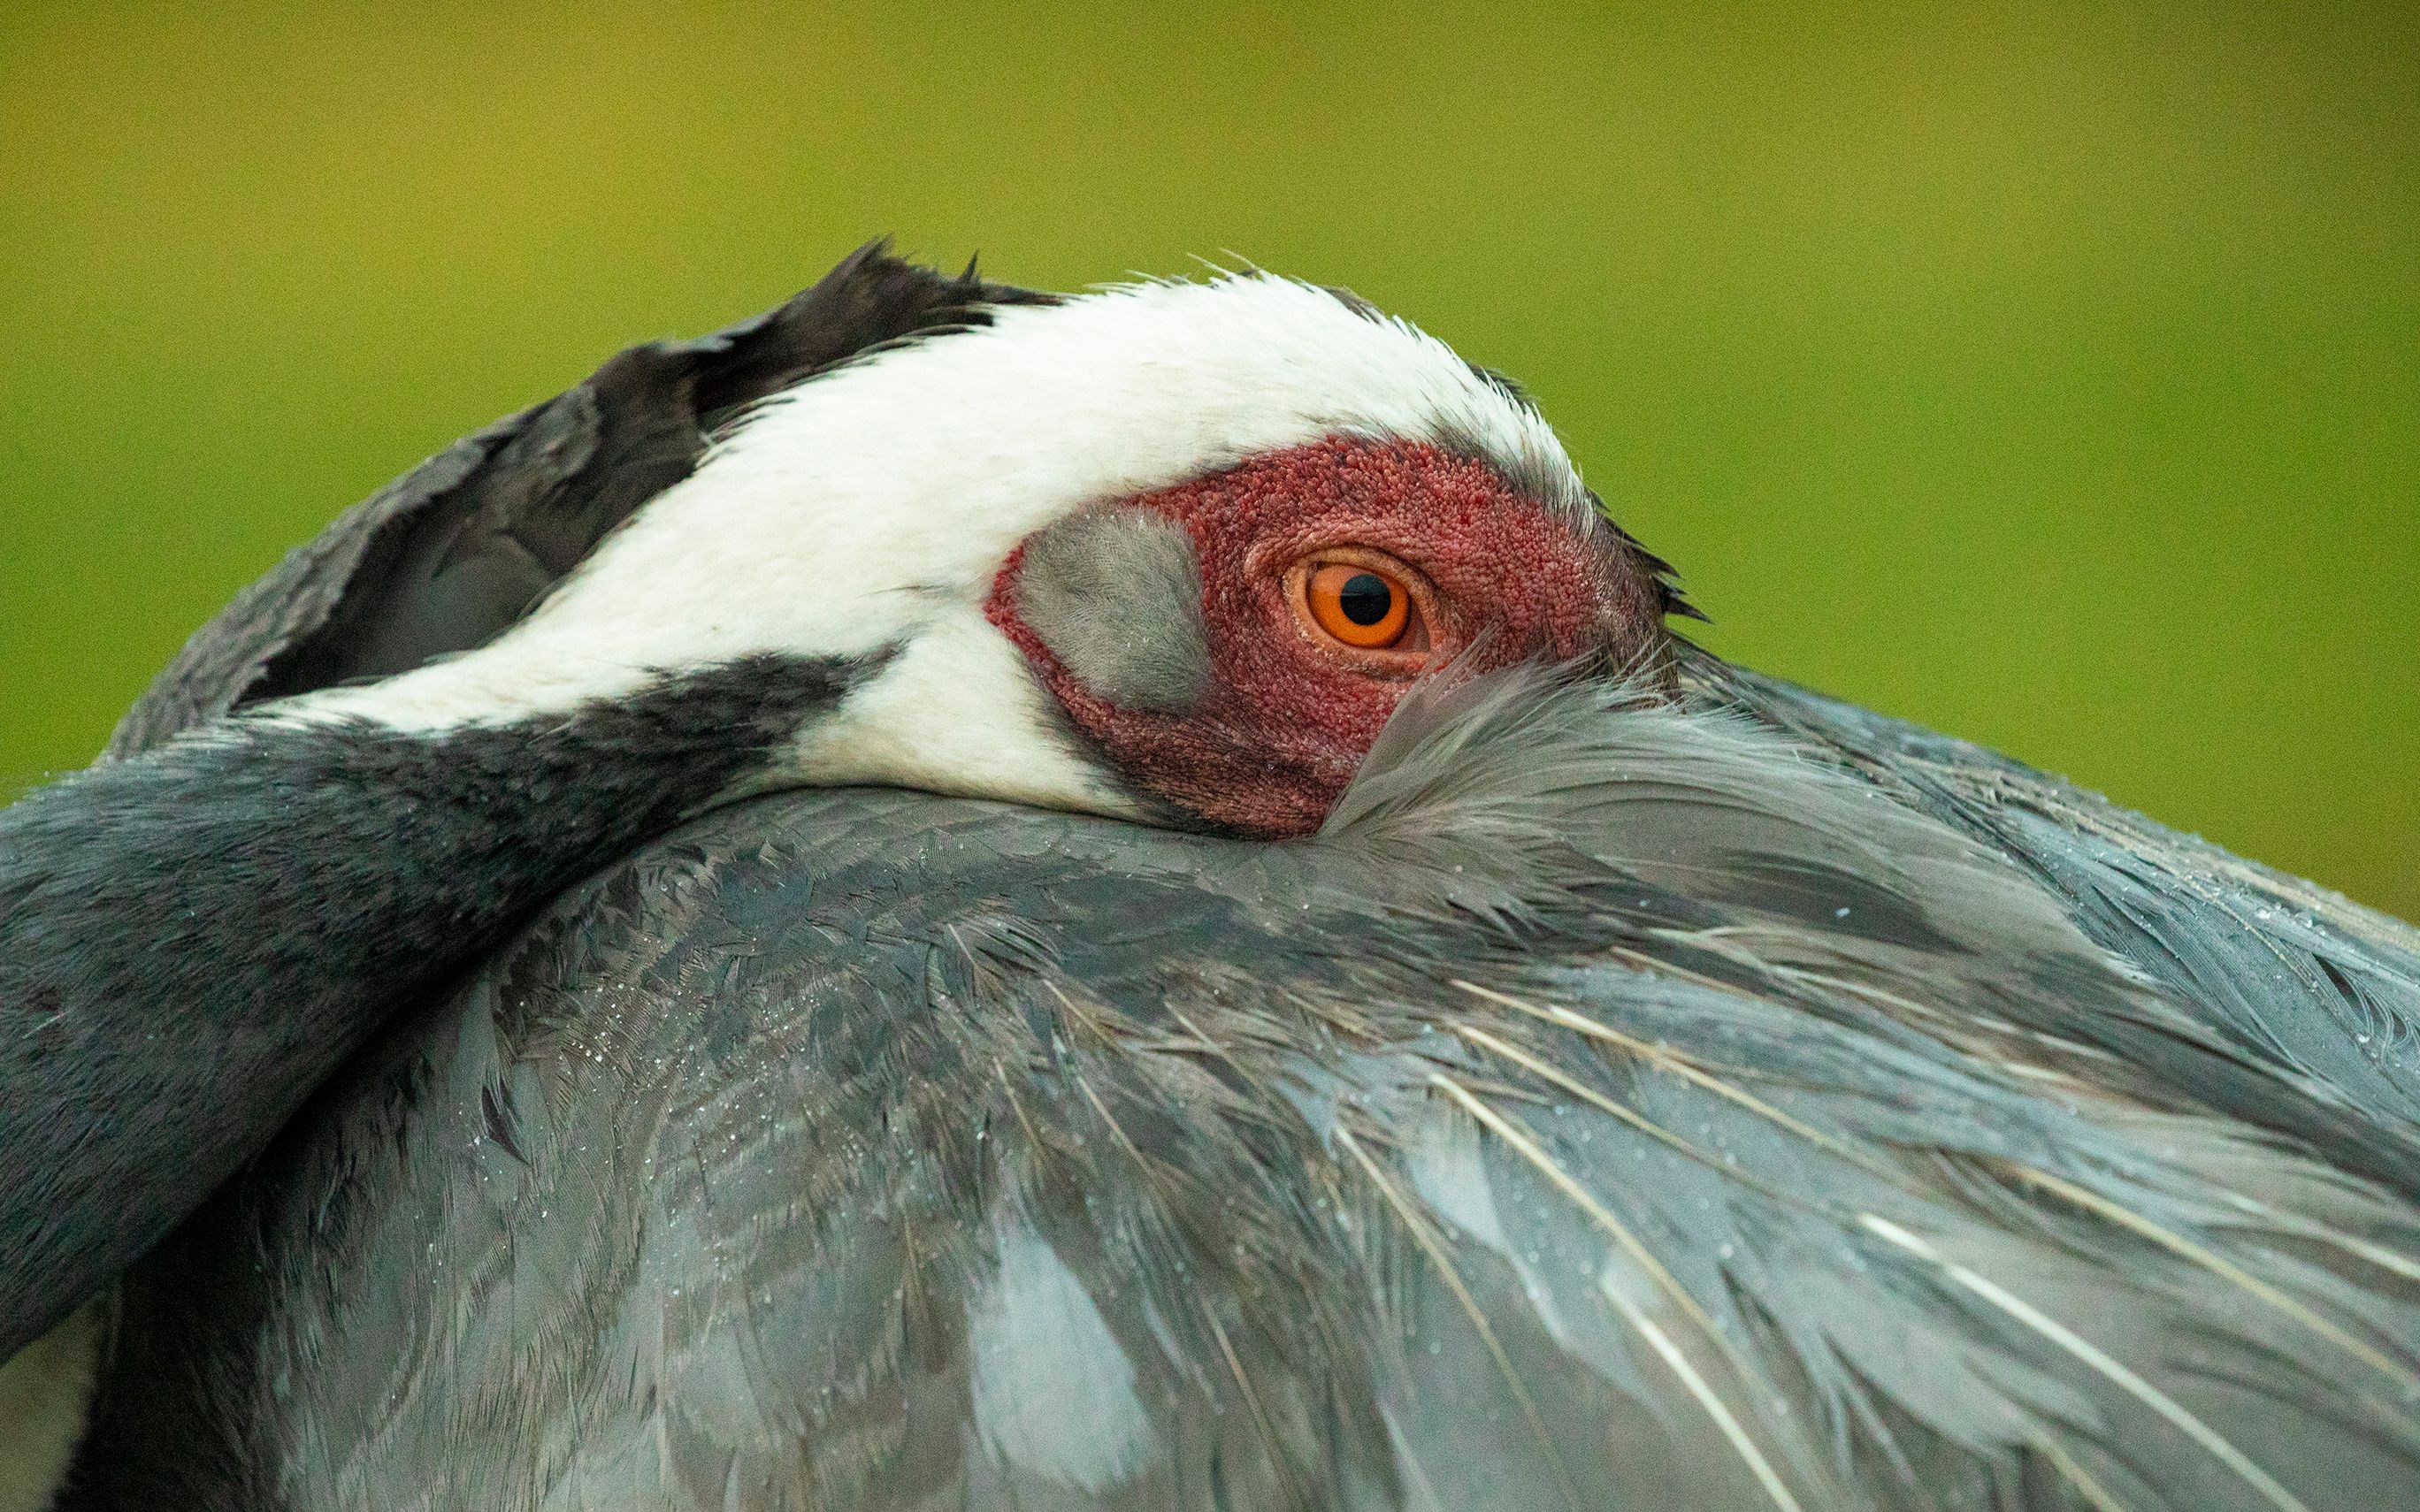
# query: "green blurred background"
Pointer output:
{"type": "Point", "coordinates": [2049, 375]}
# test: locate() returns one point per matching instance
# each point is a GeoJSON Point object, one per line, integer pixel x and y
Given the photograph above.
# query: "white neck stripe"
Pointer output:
{"type": "Point", "coordinates": [872, 505]}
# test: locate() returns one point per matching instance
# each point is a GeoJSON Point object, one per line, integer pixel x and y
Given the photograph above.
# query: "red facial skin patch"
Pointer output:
{"type": "Point", "coordinates": [1287, 719]}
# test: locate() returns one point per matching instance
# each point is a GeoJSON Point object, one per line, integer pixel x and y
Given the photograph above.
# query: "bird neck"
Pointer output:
{"type": "Point", "coordinates": [193, 939]}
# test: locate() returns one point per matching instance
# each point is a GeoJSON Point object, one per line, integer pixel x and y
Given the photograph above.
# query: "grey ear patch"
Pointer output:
{"type": "Point", "coordinates": [1116, 595]}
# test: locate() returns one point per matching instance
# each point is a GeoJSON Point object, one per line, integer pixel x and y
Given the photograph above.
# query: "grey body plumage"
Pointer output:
{"type": "Point", "coordinates": [1613, 1106]}
{"type": "Point", "coordinates": [1735, 1100]}
{"type": "Point", "coordinates": [281, 888]}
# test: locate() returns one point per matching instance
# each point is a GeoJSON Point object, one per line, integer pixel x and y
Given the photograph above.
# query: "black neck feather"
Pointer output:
{"type": "Point", "coordinates": [191, 941]}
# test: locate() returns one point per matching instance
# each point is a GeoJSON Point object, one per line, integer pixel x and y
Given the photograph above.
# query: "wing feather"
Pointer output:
{"type": "Point", "coordinates": [1618, 1104]}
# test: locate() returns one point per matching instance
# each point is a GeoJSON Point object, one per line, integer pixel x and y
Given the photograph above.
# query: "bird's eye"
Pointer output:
{"type": "Point", "coordinates": [1365, 604]}
{"type": "Point", "coordinates": [1361, 607]}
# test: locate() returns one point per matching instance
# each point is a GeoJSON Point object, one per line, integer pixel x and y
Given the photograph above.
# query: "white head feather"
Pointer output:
{"type": "Point", "coordinates": [869, 508]}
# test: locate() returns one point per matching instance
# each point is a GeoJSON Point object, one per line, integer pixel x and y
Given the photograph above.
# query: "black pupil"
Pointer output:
{"type": "Point", "coordinates": [1365, 598]}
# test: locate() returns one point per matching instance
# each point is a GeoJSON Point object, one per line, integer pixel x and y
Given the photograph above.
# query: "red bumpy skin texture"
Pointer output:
{"type": "Point", "coordinates": [1288, 718]}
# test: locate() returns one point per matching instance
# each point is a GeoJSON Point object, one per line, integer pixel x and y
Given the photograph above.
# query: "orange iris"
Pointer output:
{"type": "Point", "coordinates": [1362, 607]}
